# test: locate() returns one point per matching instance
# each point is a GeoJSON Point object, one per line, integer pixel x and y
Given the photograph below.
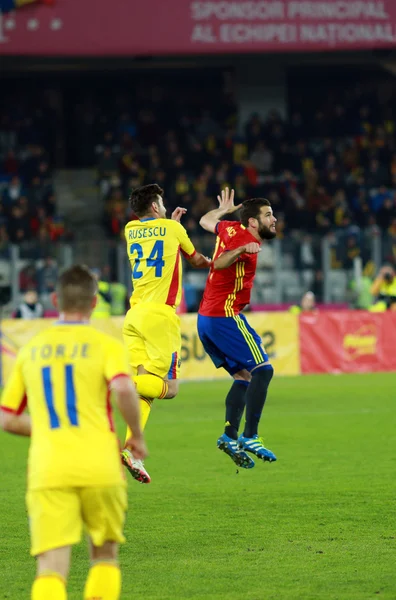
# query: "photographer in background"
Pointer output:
{"type": "Point", "coordinates": [384, 289]}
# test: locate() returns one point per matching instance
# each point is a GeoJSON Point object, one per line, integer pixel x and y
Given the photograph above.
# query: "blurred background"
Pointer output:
{"type": "Point", "coordinates": [294, 101]}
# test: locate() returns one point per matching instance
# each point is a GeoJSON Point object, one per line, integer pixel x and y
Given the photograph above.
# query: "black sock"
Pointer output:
{"type": "Point", "coordinates": [235, 404]}
{"type": "Point", "coordinates": [255, 398]}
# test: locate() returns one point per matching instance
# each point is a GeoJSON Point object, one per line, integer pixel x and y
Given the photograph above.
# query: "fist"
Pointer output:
{"type": "Point", "coordinates": [252, 248]}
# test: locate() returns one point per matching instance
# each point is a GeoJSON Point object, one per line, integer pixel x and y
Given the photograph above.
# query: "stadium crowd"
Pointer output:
{"type": "Point", "coordinates": [328, 171]}
{"type": "Point", "coordinates": [329, 168]}
{"type": "Point", "coordinates": [28, 210]}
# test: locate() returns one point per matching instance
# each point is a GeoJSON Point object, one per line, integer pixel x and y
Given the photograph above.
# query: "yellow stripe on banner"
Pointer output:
{"type": "Point", "coordinates": [253, 345]}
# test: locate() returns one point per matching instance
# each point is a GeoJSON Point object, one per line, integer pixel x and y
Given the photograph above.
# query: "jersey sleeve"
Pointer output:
{"type": "Point", "coordinates": [14, 398]}
{"type": "Point", "coordinates": [231, 234]}
{"type": "Point", "coordinates": [221, 227]}
{"type": "Point", "coordinates": [116, 362]}
{"type": "Point", "coordinates": [186, 245]}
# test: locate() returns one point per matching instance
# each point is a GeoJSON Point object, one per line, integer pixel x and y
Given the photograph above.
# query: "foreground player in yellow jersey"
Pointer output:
{"type": "Point", "coordinates": [152, 327]}
{"type": "Point", "coordinates": [65, 375]}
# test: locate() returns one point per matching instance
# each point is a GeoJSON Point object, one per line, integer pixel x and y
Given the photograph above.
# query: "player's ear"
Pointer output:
{"type": "Point", "coordinates": [54, 299]}
{"type": "Point", "coordinates": [94, 302]}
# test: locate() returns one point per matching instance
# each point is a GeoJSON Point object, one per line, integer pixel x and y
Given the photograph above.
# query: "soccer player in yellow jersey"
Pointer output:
{"type": "Point", "coordinates": [64, 375]}
{"type": "Point", "coordinates": [152, 327]}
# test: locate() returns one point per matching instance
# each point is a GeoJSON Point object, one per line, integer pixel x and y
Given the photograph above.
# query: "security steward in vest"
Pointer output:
{"type": "Point", "coordinates": [103, 306]}
{"type": "Point", "coordinates": [384, 290]}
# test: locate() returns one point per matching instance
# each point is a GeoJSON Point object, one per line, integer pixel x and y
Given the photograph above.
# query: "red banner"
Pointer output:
{"type": "Point", "coordinates": [348, 342]}
{"type": "Point", "coordinates": [153, 27]}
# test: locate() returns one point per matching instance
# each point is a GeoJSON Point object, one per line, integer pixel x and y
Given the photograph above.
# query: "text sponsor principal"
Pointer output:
{"type": "Point", "coordinates": [335, 23]}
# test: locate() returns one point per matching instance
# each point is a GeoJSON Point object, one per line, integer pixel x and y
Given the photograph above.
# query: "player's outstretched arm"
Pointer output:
{"type": "Point", "coordinates": [199, 261]}
{"type": "Point", "coordinates": [226, 207]}
{"type": "Point", "coordinates": [16, 424]}
{"type": "Point", "coordinates": [128, 404]}
{"type": "Point", "coordinates": [226, 259]}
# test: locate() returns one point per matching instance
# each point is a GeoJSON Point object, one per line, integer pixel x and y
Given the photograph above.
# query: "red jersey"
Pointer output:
{"type": "Point", "coordinates": [227, 291]}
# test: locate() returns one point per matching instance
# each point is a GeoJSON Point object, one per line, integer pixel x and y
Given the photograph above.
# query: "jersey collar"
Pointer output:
{"type": "Point", "coordinates": [147, 219]}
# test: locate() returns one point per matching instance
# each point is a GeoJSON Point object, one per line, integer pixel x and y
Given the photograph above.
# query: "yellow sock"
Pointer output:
{"type": "Point", "coordinates": [49, 586]}
{"type": "Point", "coordinates": [150, 386]}
{"type": "Point", "coordinates": [145, 409]}
{"type": "Point", "coordinates": [104, 582]}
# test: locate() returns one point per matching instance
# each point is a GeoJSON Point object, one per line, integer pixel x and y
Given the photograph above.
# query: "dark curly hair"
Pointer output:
{"type": "Point", "coordinates": [142, 198]}
{"type": "Point", "coordinates": [251, 209]}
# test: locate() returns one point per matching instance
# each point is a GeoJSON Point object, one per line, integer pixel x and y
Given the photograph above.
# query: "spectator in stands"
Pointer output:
{"type": "Point", "coordinates": [28, 278]}
{"type": "Point", "coordinates": [13, 192]}
{"type": "Point", "coordinates": [11, 164]}
{"type": "Point", "coordinates": [18, 227]}
{"type": "Point", "coordinates": [47, 276]}
{"type": "Point", "coordinates": [107, 169]}
{"type": "Point", "coordinates": [262, 159]}
{"type": "Point", "coordinates": [30, 307]}
{"type": "Point", "coordinates": [307, 304]}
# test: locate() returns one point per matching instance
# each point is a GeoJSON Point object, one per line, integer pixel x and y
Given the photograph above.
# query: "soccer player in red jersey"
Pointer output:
{"type": "Point", "coordinates": [224, 331]}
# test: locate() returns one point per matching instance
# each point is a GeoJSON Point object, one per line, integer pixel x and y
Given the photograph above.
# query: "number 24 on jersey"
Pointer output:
{"type": "Point", "coordinates": [154, 260]}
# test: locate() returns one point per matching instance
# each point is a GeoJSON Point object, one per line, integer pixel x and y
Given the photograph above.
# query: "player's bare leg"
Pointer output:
{"type": "Point", "coordinates": [173, 389]}
{"type": "Point", "coordinates": [152, 384]}
{"type": "Point", "coordinates": [52, 572]}
{"type": "Point", "coordinates": [104, 577]}
{"type": "Point", "coordinates": [235, 404]}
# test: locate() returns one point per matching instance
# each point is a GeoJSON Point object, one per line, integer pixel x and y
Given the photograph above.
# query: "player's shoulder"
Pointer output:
{"type": "Point", "coordinates": [173, 225]}
{"type": "Point", "coordinates": [229, 228]}
{"type": "Point", "coordinates": [176, 229]}
{"type": "Point", "coordinates": [130, 224]}
{"type": "Point", "coordinates": [39, 339]}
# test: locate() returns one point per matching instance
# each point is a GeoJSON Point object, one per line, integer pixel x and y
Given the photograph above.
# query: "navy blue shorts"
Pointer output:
{"type": "Point", "coordinates": [231, 343]}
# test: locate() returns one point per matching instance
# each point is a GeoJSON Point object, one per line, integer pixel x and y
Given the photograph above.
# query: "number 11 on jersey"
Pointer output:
{"type": "Point", "coordinates": [71, 404]}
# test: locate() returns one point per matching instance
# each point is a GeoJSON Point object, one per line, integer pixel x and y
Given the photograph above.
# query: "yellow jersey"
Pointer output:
{"type": "Point", "coordinates": [63, 376]}
{"type": "Point", "coordinates": [154, 247]}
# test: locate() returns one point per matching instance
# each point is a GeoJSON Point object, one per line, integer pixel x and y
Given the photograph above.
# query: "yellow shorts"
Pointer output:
{"type": "Point", "coordinates": [152, 336]}
{"type": "Point", "coordinates": [57, 516]}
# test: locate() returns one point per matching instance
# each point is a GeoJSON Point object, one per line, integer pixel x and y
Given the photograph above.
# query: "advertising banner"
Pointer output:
{"type": "Point", "coordinates": [348, 342]}
{"type": "Point", "coordinates": [155, 27]}
{"type": "Point", "coordinates": [279, 333]}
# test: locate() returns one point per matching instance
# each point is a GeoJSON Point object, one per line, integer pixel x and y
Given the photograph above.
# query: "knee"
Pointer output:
{"type": "Point", "coordinates": [243, 375]}
{"type": "Point", "coordinates": [173, 389]}
{"type": "Point", "coordinates": [109, 551]}
{"type": "Point", "coordinates": [265, 372]}
{"type": "Point", "coordinates": [57, 561]}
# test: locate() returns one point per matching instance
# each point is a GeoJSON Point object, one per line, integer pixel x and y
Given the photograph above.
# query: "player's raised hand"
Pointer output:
{"type": "Point", "coordinates": [252, 248]}
{"type": "Point", "coordinates": [138, 447]}
{"type": "Point", "coordinates": [178, 213]}
{"type": "Point", "coordinates": [226, 201]}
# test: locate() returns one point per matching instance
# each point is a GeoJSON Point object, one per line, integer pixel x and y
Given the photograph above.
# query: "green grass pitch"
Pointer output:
{"type": "Point", "coordinates": [318, 524]}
